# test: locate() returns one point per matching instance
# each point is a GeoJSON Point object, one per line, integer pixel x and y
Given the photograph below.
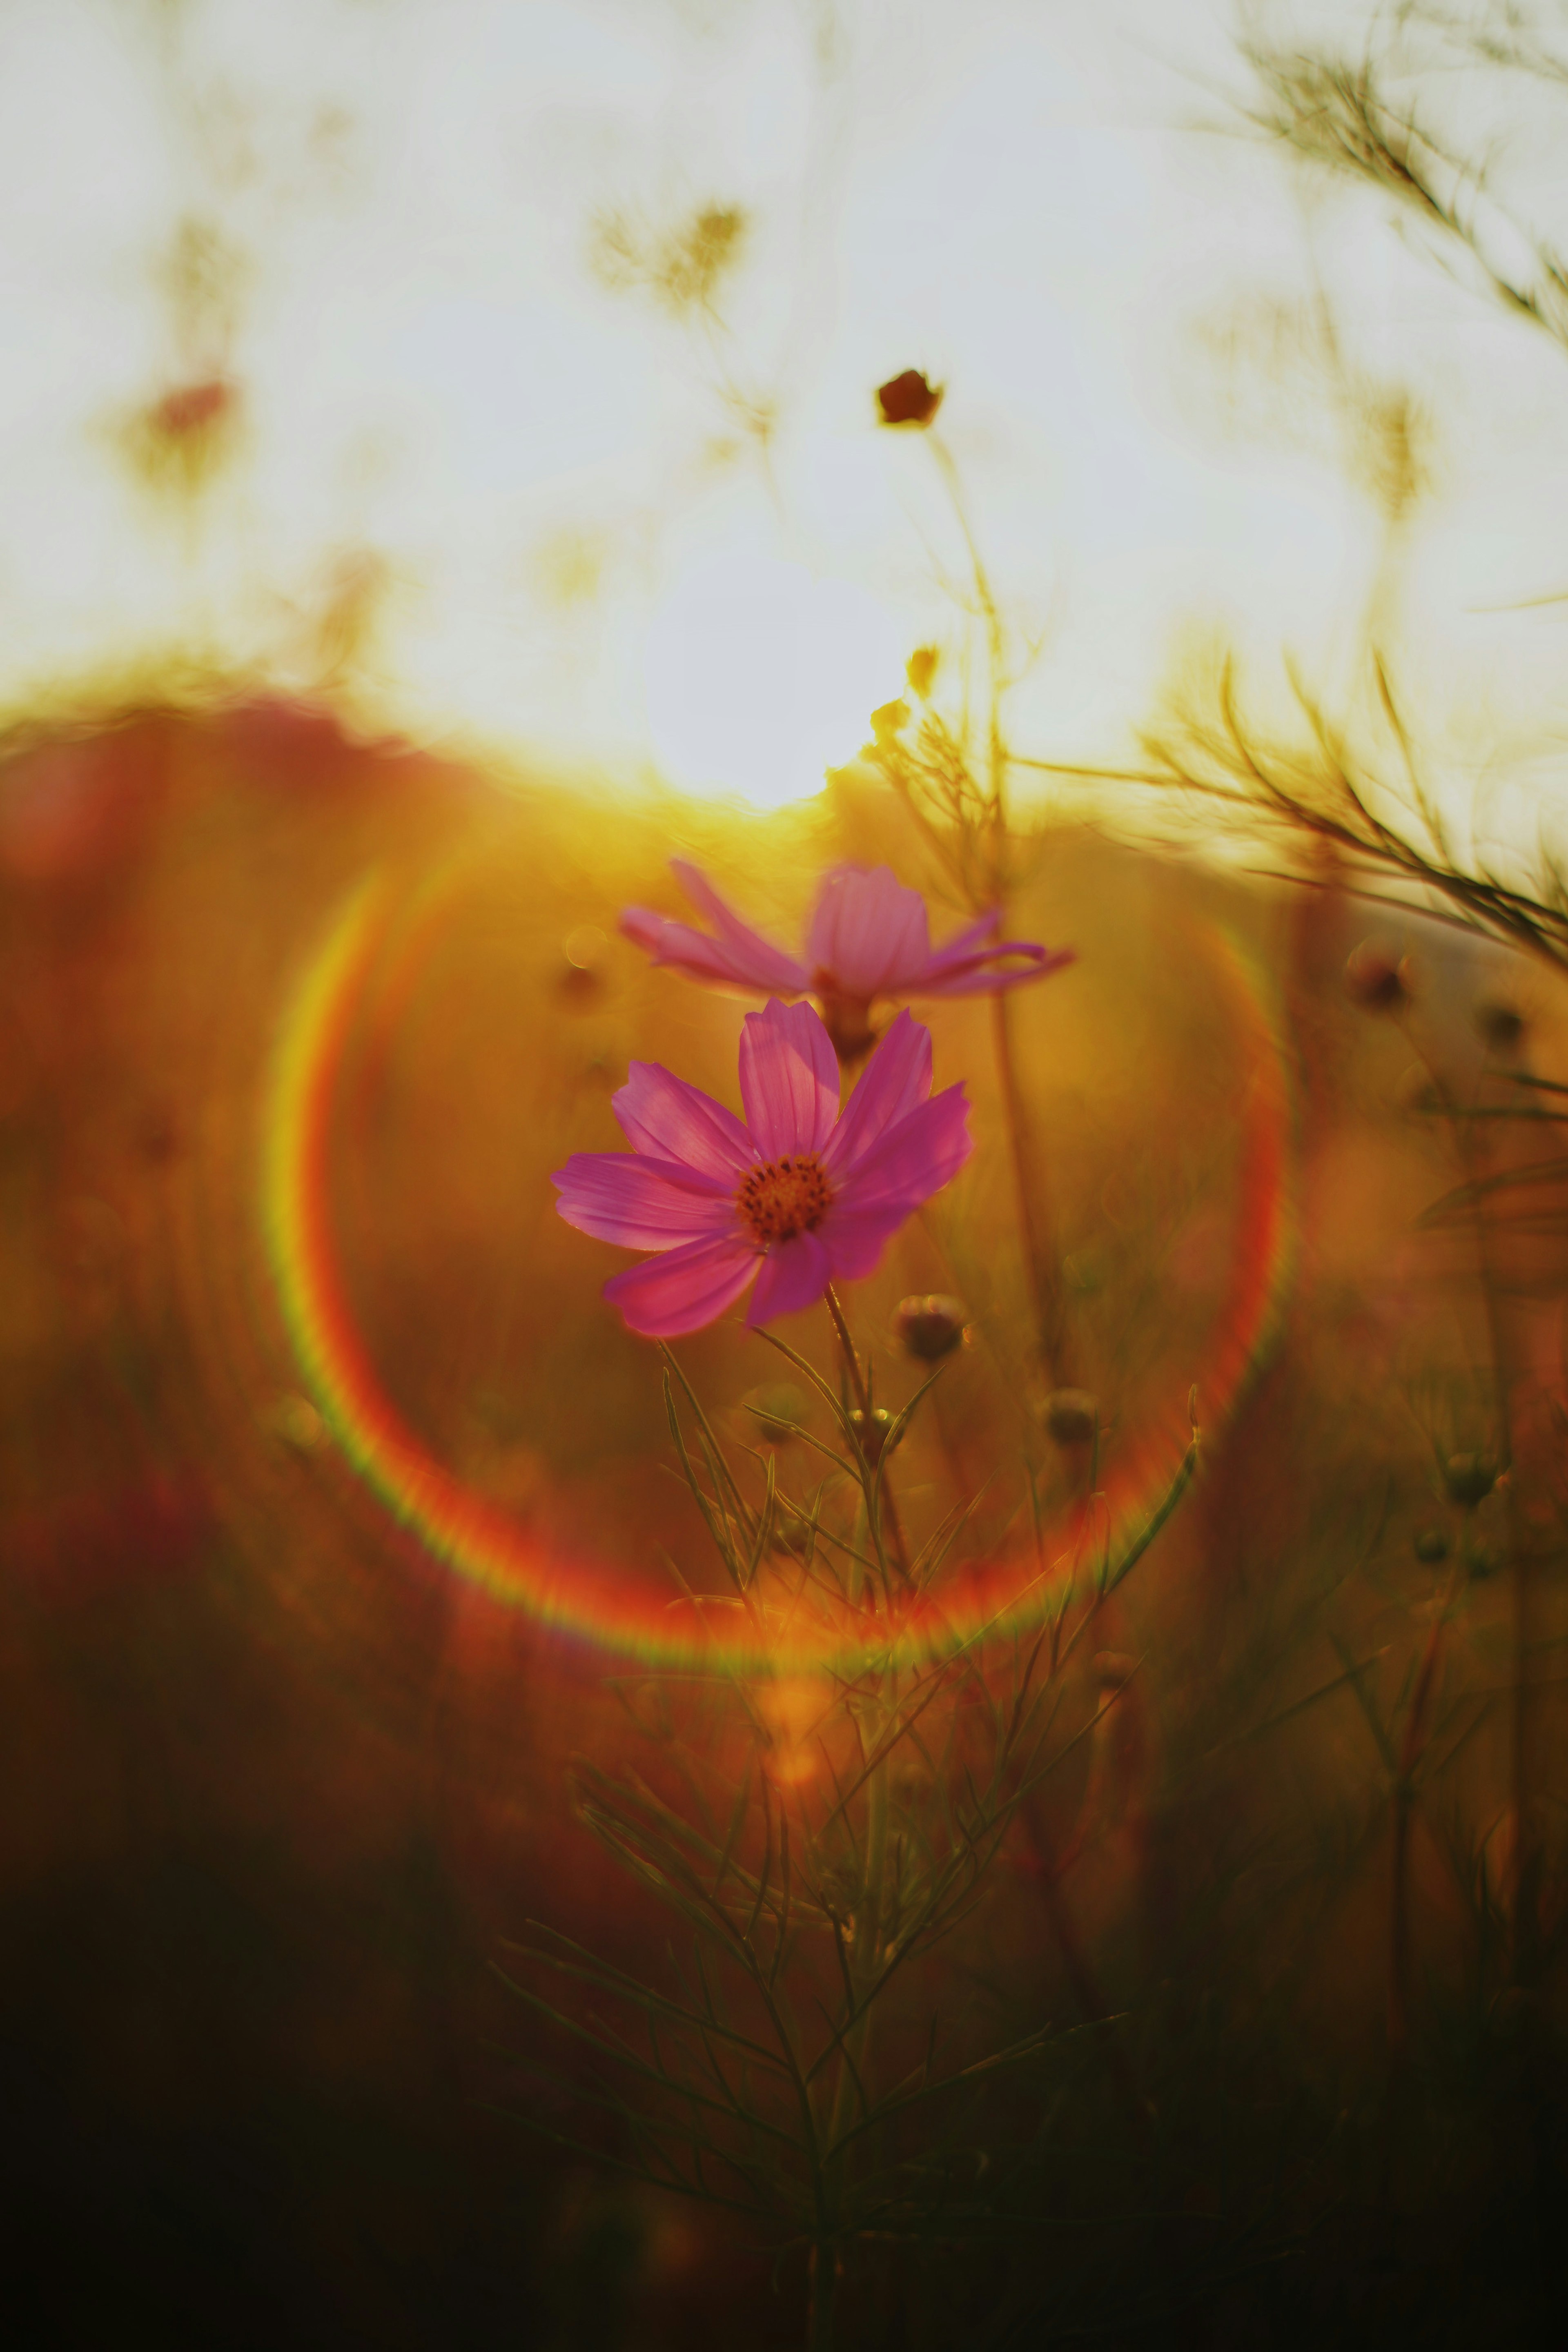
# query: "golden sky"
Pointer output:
{"type": "Point", "coordinates": [478, 459]}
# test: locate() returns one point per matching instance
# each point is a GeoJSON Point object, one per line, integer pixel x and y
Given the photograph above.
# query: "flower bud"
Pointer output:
{"type": "Point", "coordinates": [1430, 1545]}
{"type": "Point", "coordinates": [1114, 1669]}
{"type": "Point", "coordinates": [583, 952]}
{"type": "Point", "coordinates": [908, 399]}
{"type": "Point", "coordinates": [1499, 1027]}
{"type": "Point", "coordinates": [780, 1409]}
{"type": "Point", "coordinates": [929, 1327]}
{"type": "Point", "coordinates": [791, 1532]}
{"type": "Point", "coordinates": [872, 1436]}
{"type": "Point", "coordinates": [1417, 1093]}
{"type": "Point", "coordinates": [889, 721]}
{"type": "Point", "coordinates": [1072, 1416]}
{"type": "Point", "coordinates": [296, 1421]}
{"type": "Point", "coordinates": [1376, 979]}
{"type": "Point", "coordinates": [1469, 1478]}
{"type": "Point", "coordinates": [920, 669]}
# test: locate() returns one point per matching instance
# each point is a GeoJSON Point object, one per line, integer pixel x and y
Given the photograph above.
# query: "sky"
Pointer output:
{"type": "Point", "coordinates": [472, 468]}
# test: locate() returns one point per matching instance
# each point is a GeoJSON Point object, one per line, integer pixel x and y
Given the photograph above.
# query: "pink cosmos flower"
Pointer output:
{"type": "Point", "coordinates": [869, 937]}
{"type": "Point", "coordinates": [797, 1197]}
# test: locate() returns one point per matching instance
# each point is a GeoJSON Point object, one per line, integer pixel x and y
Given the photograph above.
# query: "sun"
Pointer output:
{"type": "Point", "coordinates": [760, 676]}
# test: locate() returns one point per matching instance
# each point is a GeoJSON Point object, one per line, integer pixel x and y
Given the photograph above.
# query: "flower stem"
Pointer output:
{"type": "Point", "coordinates": [1040, 1268]}
{"type": "Point", "coordinates": [888, 1514]}
{"type": "Point", "coordinates": [870, 1920]}
{"type": "Point", "coordinates": [1524, 1576]}
{"type": "Point", "coordinates": [1033, 1206]}
{"type": "Point", "coordinates": [1411, 1748]}
{"type": "Point", "coordinates": [824, 2280]}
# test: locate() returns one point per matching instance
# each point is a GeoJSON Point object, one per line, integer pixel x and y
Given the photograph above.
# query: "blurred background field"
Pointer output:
{"type": "Point", "coordinates": [283, 1786]}
{"type": "Point", "coordinates": [441, 459]}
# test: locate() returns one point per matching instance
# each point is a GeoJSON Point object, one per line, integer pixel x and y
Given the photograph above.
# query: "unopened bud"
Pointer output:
{"type": "Point", "coordinates": [296, 1421]}
{"type": "Point", "coordinates": [780, 1409]}
{"type": "Point", "coordinates": [583, 952]}
{"type": "Point", "coordinates": [929, 1327]}
{"type": "Point", "coordinates": [871, 1435]}
{"type": "Point", "coordinates": [1376, 979]}
{"type": "Point", "coordinates": [921, 669]}
{"type": "Point", "coordinates": [1501, 1026]}
{"type": "Point", "coordinates": [889, 721]}
{"type": "Point", "coordinates": [908, 399]}
{"type": "Point", "coordinates": [1417, 1093]}
{"type": "Point", "coordinates": [1114, 1669]}
{"type": "Point", "coordinates": [791, 1531]}
{"type": "Point", "coordinates": [1072, 1416]}
{"type": "Point", "coordinates": [1430, 1545]}
{"type": "Point", "coordinates": [1469, 1478]}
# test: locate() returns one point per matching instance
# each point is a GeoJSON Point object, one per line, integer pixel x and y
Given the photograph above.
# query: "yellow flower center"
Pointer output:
{"type": "Point", "coordinates": [783, 1198]}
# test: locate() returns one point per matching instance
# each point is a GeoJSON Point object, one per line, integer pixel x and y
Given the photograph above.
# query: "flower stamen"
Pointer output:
{"type": "Point", "coordinates": [783, 1198]}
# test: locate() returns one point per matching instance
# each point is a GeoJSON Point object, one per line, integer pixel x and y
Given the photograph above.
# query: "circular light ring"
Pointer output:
{"type": "Point", "coordinates": [585, 1598]}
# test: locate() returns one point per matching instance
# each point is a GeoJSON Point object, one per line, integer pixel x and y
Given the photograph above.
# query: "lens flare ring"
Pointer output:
{"type": "Point", "coordinates": [585, 1599]}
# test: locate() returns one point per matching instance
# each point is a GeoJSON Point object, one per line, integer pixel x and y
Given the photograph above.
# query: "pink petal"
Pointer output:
{"type": "Point", "coordinates": [620, 1196]}
{"type": "Point", "coordinates": [795, 1274]}
{"type": "Point", "coordinates": [677, 944]}
{"type": "Point", "coordinates": [869, 934]}
{"type": "Point", "coordinates": [789, 1079]}
{"type": "Point", "coordinates": [765, 965]}
{"type": "Point", "coordinates": [990, 971]}
{"type": "Point", "coordinates": [661, 1115]}
{"type": "Point", "coordinates": [682, 1289]}
{"type": "Point", "coordinates": [965, 943]}
{"type": "Point", "coordinates": [855, 1238]}
{"type": "Point", "coordinates": [911, 1160]}
{"type": "Point", "coordinates": [895, 1079]}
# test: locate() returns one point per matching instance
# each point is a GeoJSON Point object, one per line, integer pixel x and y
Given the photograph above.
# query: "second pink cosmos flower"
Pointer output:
{"type": "Point", "coordinates": [796, 1197]}
{"type": "Point", "coordinates": [868, 938]}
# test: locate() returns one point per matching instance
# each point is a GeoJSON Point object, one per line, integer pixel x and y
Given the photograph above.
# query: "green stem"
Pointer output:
{"type": "Point", "coordinates": [856, 2048]}
{"type": "Point", "coordinates": [1034, 1221]}
{"type": "Point", "coordinates": [824, 2285]}
{"type": "Point", "coordinates": [1041, 1271]}
{"type": "Point", "coordinates": [883, 1512]}
{"type": "Point", "coordinates": [1410, 1752]}
{"type": "Point", "coordinates": [1525, 1572]}
{"type": "Point", "coordinates": [996, 653]}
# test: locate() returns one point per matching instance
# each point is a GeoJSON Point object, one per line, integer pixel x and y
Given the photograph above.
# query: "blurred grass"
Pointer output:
{"type": "Point", "coordinates": [281, 1788]}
